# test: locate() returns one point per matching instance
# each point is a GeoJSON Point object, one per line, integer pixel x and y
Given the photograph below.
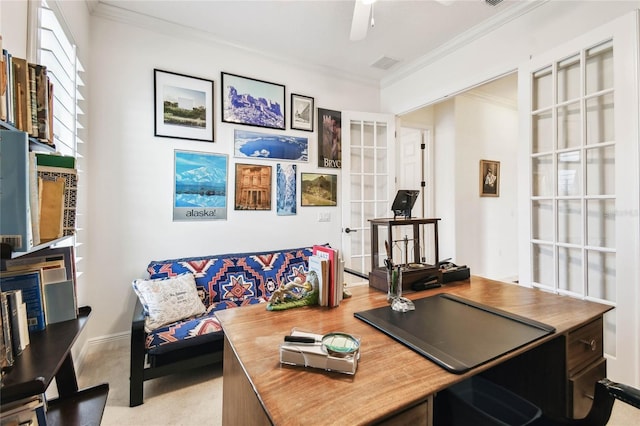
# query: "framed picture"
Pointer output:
{"type": "Point", "coordinates": [489, 178]}
{"type": "Point", "coordinates": [302, 112]}
{"type": "Point", "coordinates": [253, 187]}
{"type": "Point", "coordinates": [318, 189]}
{"type": "Point", "coordinates": [184, 106]}
{"type": "Point", "coordinates": [329, 138]}
{"type": "Point", "coordinates": [252, 102]}
{"type": "Point", "coordinates": [269, 146]}
{"type": "Point", "coordinates": [286, 189]}
{"type": "Point", "coordinates": [200, 186]}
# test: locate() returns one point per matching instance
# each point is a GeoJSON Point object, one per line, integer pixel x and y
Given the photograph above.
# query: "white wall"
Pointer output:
{"type": "Point", "coordinates": [130, 203]}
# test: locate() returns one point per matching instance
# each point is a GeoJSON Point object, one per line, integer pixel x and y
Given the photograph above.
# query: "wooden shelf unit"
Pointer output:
{"type": "Point", "coordinates": [48, 356]}
{"type": "Point", "coordinates": [417, 271]}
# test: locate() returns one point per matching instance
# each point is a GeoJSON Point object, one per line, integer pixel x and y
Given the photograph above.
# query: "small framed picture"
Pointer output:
{"type": "Point", "coordinates": [318, 189]}
{"type": "Point", "coordinates": [489, 178]}
{"type": "Point", "coordinates": [302, 112]}
{"type": "Point", "coordinates": [184, 106]}
{"type": "Point", "coordinates": [252, 102]}
{"type": "Point", "coordinates": [286, 189]}
{"type": "Point", "coordinates": [329, 138]}
{"type": "Point", "coordinates": [253, 187]}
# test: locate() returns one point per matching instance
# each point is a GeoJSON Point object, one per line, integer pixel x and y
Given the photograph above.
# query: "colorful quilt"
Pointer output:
{"type": "Point", "coordinates": [225, 281]}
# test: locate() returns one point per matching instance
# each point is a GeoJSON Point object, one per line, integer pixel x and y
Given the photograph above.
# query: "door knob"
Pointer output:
{"type": "Point", "coordinates": [348, 230]}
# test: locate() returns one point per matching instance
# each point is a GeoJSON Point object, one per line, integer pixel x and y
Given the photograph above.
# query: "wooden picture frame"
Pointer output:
{"type": "Point", "coordinates": [253, 187]}
{"type": "Point", "coordinates": [302, 109]}
{"type": "Point", "coordinates": [252, 102]}
{"type": "Point", "coordinates": [489, 178]}
{"type": "Point", "coordinates": [318, 189]}
{"type": "Point", "coordinates": [184, 106]}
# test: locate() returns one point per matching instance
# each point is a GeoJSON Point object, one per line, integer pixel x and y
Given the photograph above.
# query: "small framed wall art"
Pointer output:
{"type": "Point", "coordinates": [318, 189]}
{"type": "Point", "coordinates": [184, 106]}
{"type": "Point", "coordinates": [302, 112]}
{"type": "Point", "coordinates": [329, 138]}
{"type": "Point", "coordinates": [253, 187]}
{"type": "Point", "coordinates": [286, 189]}
{"type": "Point", "coordinates": [200, 186]}
{"type": "Point", "coordinates": [489, 178]}
{"type": "Point", "coordinates": [252, 102]}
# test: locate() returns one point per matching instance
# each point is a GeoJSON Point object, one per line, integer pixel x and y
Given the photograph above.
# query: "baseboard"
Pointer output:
{"type": "Point", "coordinates": [102, 344]}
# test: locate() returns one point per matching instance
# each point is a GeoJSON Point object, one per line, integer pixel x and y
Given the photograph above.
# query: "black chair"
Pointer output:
{"type": "Point", "coordinates": [606, 392]}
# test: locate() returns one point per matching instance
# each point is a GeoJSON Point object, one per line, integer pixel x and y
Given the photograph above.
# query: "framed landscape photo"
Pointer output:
{"type": "Point", "coordinates": [253, 187]}
{"type": "Point", "coordinates": [200, 186]}
{"type": "Point", "coordinates": [184, 106]}
{"type": "Point", "coordinates": [318, 189]}
{"type": "Point", "coordinates": [302, 112]}
{"type": "Point", "coordinates": [269, 146]}
{"type": "Point", "coordinates": [252, 102]}
{"type": "Point", "coordinates": [489, 178]}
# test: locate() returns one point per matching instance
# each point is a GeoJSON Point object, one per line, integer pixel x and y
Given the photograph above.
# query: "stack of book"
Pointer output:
{"type": "Point", "coordinates": [38, 200]}
{"type": "Point", "coordinates": [26, 97]}
{"type": "Point", "coordinates": [28, 411]}
{"type": "Point", "coordinates": [329, 267]}
{"type": "Point", "coordinates": [41, 284]}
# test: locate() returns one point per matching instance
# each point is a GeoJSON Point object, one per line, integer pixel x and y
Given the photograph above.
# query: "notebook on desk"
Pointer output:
{"type": "Point", "coordinates": [456, 333]}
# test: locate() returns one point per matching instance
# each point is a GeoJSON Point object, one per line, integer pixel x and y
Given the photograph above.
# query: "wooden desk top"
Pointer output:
{"type": "Point", "coordinates": [390, 376]}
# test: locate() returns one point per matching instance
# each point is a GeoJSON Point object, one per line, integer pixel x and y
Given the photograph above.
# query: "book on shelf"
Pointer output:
{"type": "Point", "coordinates": [21, 94]}
{"type": "Point", "coordinates": [15, 226]}
{"type": "Point", "coordinates": [33, 111]}
{"type": "Point", "coordinates": [6, 354]}
{"type": "Point", "coordinates": [30, 411]}
{"type": "Point", "coordinates": [42, 104]}
{"type": "Point", "coordinates": [51, 209]}
{"type": "Point", "coordinates": [70, 176]}
{"type": "Point", "coordinates": [55, 160]}
{"type": "Point", "coordinates": [30, 282]}
{"type": "Point", "coordinates": [18, 321]}
{"type": "Point", "coordinates": [3, 83]}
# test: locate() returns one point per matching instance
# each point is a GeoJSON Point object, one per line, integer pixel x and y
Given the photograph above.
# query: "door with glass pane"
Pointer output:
{"type": "Point", "coordinates": [582, 162]}
{"type": "Point", "coordinates": [368, 182]}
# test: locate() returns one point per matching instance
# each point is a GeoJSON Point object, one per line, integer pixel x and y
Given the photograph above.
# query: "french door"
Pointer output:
{"type": "Point", "coordinates": [579, 180]}
{"type": "Point", "coordinates": [368, 176]}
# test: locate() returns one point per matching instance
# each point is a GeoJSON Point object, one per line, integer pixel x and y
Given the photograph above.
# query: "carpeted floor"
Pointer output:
{"type": "Point", "coordinates": [194, 397]}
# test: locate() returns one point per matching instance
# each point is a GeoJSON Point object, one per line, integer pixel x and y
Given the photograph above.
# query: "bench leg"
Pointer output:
{"type": "Point", "coordinates": [136, 374]}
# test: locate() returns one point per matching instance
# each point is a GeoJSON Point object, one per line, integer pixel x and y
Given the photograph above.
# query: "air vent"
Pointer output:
{"type": "Point", "coordinates": [384, 63]}
{"type": "Point", "coordinates": [493, 2]}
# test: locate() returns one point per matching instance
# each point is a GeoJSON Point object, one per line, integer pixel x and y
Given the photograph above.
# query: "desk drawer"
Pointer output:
{"type": "Point", "coordinates": [582, 388]}
{"type": "Point", "coordinates": [584, 346]}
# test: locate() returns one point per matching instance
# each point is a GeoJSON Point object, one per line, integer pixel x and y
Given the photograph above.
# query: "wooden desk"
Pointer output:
{"type": "Point", "coordinates": [393, 383]}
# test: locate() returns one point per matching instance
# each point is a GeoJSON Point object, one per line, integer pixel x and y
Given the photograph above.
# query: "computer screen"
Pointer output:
{"type": "Point", "coordinates": [404, 202]}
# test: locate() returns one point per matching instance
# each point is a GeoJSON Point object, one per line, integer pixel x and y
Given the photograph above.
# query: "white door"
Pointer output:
{"type": "Point", "coordinates": [579, 180]}
{"type": "Point", "coordinates": [368, 173]}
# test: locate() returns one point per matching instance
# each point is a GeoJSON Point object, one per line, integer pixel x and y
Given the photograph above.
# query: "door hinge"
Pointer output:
{"type": "Point", "coordinates": [423, 184]}
{"type": "Point", "coordinates": [423, 146]}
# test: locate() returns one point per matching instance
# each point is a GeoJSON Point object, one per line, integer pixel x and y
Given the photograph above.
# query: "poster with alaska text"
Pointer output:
{"type": "Point", "coordinates": [200, 186]}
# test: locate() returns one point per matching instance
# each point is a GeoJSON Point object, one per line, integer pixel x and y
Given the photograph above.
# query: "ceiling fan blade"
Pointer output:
{"type": "Point", "coordinates": [360, 22]}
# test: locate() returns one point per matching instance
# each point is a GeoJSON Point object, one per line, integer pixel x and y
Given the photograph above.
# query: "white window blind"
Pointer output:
{"type": "Point", "coordinates": [54, 48]}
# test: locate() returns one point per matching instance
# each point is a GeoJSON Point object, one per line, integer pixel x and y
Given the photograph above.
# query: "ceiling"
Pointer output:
{"type": "Point", "coordinates": [315, 34]}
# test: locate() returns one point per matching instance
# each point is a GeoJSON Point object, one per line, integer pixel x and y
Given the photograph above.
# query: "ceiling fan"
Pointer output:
{"type": "Point", "coordinates": [363, 17]}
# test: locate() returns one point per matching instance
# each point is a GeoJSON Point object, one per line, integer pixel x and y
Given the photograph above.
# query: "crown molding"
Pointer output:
{"type": "Point", "coordinates": [486, 27]}
{"type": "Point", "coordinates": [117, 14]}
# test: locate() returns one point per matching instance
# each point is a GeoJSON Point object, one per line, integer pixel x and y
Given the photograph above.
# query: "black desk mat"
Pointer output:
{"type": "Point", "coordinates": [456, 333]}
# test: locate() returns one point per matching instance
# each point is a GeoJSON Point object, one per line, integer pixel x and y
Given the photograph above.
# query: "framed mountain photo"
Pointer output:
{"type": "Point", "coordinates": [252, 102]}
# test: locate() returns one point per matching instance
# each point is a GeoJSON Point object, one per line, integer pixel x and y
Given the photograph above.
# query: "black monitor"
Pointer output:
{"type": "Point", "coordinates": [404, 201]}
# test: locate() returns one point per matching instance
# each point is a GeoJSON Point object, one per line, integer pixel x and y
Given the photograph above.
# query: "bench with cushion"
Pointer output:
{"type": "Point", "coordinates": [174, 327]}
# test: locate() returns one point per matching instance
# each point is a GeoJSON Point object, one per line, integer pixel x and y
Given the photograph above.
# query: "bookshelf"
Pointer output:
{"type": "Point", "coordinates": [48, 356]}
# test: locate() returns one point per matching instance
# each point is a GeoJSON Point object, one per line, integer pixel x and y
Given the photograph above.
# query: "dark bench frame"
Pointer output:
{"type": "Point", "coordinates": [209, 352]}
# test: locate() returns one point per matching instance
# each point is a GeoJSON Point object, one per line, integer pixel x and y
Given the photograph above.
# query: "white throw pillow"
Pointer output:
{"type": "Point", "coordinates": [168, 300]}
